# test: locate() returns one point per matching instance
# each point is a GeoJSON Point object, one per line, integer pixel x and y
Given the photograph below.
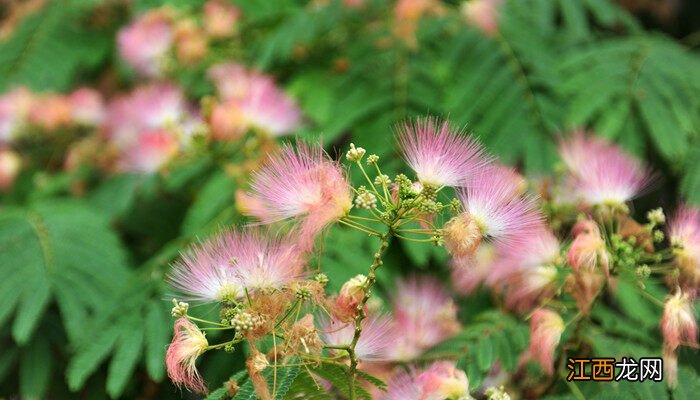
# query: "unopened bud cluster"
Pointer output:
{"type": "Point", "coordinates": [365, 199]}
{"type": "Point", "coordinates": [355, 154]}
{"type": "Point", "coordinates": [179, 309]}
{"type": "Point", "coordinates": [244, 322]}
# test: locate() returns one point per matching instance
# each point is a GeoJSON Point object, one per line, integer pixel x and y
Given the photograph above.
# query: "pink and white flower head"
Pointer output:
{"type": "Point", "coordinates": [439, 154]}
{"type": "Point", "coordinates": [14, 109]}
{"type": "Point", "coordinates": [482, 14]}
{"type": "Point", "coordinates": [144, 44]}
{"type": "Point", "coordinates": [678, 324]}
{"type": "Point", "coordinates": [303, 184]}
{"type": "Point", "coordinates": [494, 209]}
{"type": "Point", "coordinates": [588, 250]}
{"type": "Point", "coordinates": [220, 18]}
{"type": "Point", "coordinates": [253, 100]}
{"type": "Point", "coordinates": [440, 381]}
{"type": "Point", "coordinates": [424, 315]}
{"type": "Point", "coordinates": [527, 271]}
{"type": "Point", "coordinates": [222, 268]}
{"type": "Point", "coordinates": [87, 106]}
{"type": "Point", "coordinates": [545, 332]}
{"type": "Point", "coordinates": [684, 233]}
{"type": "Point", "coordinates": [187, 345]}
{"type": "Point", "coordinates": [50, 112]}
{"type": "Point", "coordinates": [373, 343]}
{"type": "Point", "coordinates": [670, 367]}
{"type": "Point", "coordinates": [152, 150]}
{"type": "Point", "coordinates": [468, 273]}
{"type": "Point", "coordinates": [602, 173]}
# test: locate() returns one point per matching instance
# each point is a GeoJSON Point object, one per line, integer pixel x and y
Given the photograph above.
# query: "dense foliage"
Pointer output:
{"type": "Point", "coordinates": [132, 131]}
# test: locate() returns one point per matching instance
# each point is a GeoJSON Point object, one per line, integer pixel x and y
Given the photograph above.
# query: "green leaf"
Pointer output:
{"type": "Point", "coordinates": [86, 361]}
{"type": "Point", "coordinates": [35, 370]}
{"type": "Point", "coordinates": [125, 358]}
{"type": "Point", "coordinates": [285, 378]}
{"type": "Point", "coordinates": [484, 353]}
{"type": "Point", "coordinates": [157, 335]}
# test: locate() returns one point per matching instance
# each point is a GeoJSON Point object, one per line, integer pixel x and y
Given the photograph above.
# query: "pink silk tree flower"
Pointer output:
{"type": "Point", "coordinates": [545, 332]}
{"type": "Point", "coordinates": [252, 100]}
{"type": "Point", "coordinates": [483, 15]}
{"type": "Point", "coordinates": [684, 233]}
{"type": "Point", "coordinates": [439, 154]}
{"type": "Point", "coordinates": [303, 184]}
{"type": "Point", "coordinates": [222, 268]}
{"type": "Point", "coordinates": [188, 344]}
{"type": "Point", "coordinates": [50, 112]}
{"type": "Point", "coordinates": [602, 173]}
{"type": "Point", "coordinates": [678, 323]}
{"type": "Point", "coordinates": [495, 210]}
{"type": "Point", "coordinates": [424, 315]}
{"type": "Point", "coordinates": [441, 380]}
{"type": "Point", "coordinates": [10, 165]}
{"type": "Point", "coordinates": [87, 106]}
{"type": "Point", "coordinates": [144, 44]}
{"type": "Point", "coordinates": [374, 342]}
{"type": "Point", "coordinates": [151, 151]}
{"type": "Point", "coordinates": [469, 273]}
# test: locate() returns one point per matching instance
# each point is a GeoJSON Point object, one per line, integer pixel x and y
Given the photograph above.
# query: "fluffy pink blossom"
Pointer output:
{"type": "Point", "coordinates": [527, 271]}
{"type": "Point", "coordinates": [50, 112]}
{"type": "Point", "coordinates": [149, 126]}
{"type": "Point", "coordinates": [151, 150]}
{"type": "Point", "coordinates": [439, 154]}
{"type": "Point", "coordinates": [483, 15]}
{"type": "Point", "coordinates": [678, 324]}
{"type": "Point", "coordinates": [441, 380]}
{"type": "Point", "coordinates": [602, 173]}
{"type": "Point", "coordinates": [14, 108]}
{"type": "Point", "coordinates": [470, 272]}
{"type": "Point", "coordinates": [144, 43]}
{"type": "Point", "coordinates": [424, 315]}
{"type": "Point", "coordinates": [684, 233]}
{"type": "Point", "coordinates": [87, 106]}
{"type": "Point", "coordinates": [187, 345]}
{"type": "Point", "coordinates": [224, 266]}
{"type": "Point", "coordinates": [303, 184]}
{"type": "Point", "coordinates": [376, 338]}
{"type": "Point", "coordinates": [494, 209]}
{"type": "Point", "coordinates": [253, 100]}
{"type": "Point", "coordinates": [545, 332]}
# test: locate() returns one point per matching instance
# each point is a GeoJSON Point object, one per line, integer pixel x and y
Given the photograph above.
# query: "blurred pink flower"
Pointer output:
{"type": "Point", "coordinates": [50, 112]}
{"type": "Point", "coordinates": [468, 273]}
{"type": "Point", "coordinates": [588, 250]}
{"type": "Point", "coordinates": [14, 109]}
{"type": "Point", "coordinates": [253, 100]}
{"type": "Point", "coordinates": [441, 380]}
{"type": "Point", "coordinates": [439, 154]}
{"type": "Point", "coordinates": [224, 266]}
{"type": "Point", "coordinates": [483, 15]}
{"type": "Point", "coordinates": [424, 315]}
{"type": "Point", "coordinates": [303, 184]}
{"type": "Point", "coordinates": [144, 43]}
{"type": "Point", "coordinates": [375, 340]}
{"type": "Point", "coordinates": [87, 106]}
{"type": "Point", "coordinates": [10, 165]}
{"type": "Point", "coordinates": [545, 332]}
{"type": "Point", "coordinates": [187, 345]}
{"type": "Point", "coordinates": [220, 18]}
{"type": "Point", "coordinates": [600, 172]}
{"type": "Point", "coordinates": [684, 233]}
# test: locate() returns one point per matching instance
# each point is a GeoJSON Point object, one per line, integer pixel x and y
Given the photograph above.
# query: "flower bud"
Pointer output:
{"type": "Point", "coordinates": [588, 249]}
{"type": "Point", "coordinates": [366, 200]}
{"type": "Point", "coordinates": [545, 332]}
{"type": "Point", "coordinates": [220, 18]}
{"type": "Point", "coordinates": [678, 322]}
{"type": "Point", "coordinates": [656, 216]}
{"type": "Point", "coordinates": [351, 294]}
{"type": "Point", "coordinates": [355, 154]}
{"type": "Point", "coordinates": [462, 235]}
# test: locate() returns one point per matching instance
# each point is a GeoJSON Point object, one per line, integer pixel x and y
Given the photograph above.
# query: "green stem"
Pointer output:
{"type": "Point", "coordinates": [361, 315]}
